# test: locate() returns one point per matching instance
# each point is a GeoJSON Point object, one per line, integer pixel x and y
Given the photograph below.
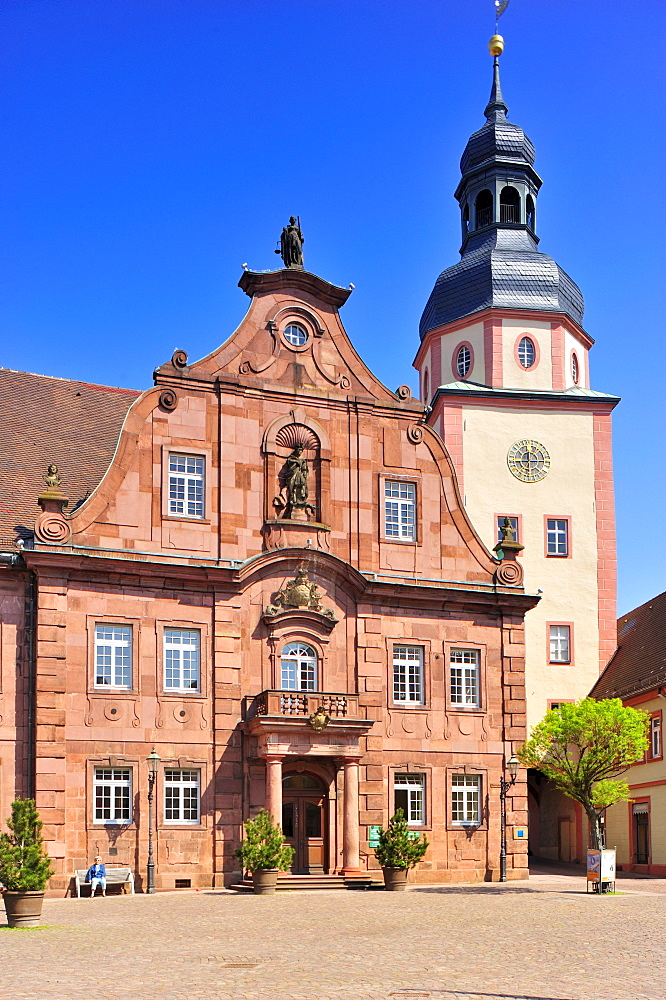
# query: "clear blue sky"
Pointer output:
{"type": "Point", "coordinates": [150, 147]}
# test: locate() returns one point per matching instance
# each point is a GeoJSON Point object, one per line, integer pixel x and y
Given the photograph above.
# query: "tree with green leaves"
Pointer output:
{"type": "Point", "coordinates": [400, 847]}
{"type": "Point", "coordinates": [24, 864]}
{"type": "Point", "coordinates": [582, 747]}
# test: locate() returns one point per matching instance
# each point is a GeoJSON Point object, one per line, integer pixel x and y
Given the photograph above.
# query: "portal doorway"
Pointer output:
{"type": "Point", "coordinates": [304, 806]}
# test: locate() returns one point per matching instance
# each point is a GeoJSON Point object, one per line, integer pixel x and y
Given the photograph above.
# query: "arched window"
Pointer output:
{"type": "Point", "coordinates": [465, 219]}
{"type": "Point", "coordinates": [298, 667]}
{"type": "Point", "coordinates": [426, 387]}
{"type": "Point", "coordinates": [463, 361]}
{"type": "Point", "coordinates": [509, 205]}
{"type": "Point", "coordinates": [529, 210]}
{"type": "Point", "coordinates": [575, 373]}
{"type": "Point", "coordinates": [483, 208]}
{"type": "Point", "coordinates": [526, 352]}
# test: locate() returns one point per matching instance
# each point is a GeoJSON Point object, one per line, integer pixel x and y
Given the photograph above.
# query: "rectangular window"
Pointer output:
{"type": "Point", "coordinates": [186, 486]}
{"type": "Point", "coordinates": [112, 791]}
{"type": "Point", "coordinates": [464, 665]}
{"type": "Point", "coordinates": [409, 795]}
{"type": "Point", "coordinates": [557, 536]}
{"type": "Point", "coordinates": [408, 674]}
{"type": "Point", "coordinates": [181, 796]}
{"type": "Point", "coordinates": [655, 736]}
{"type": "Point", "coordinates": [400, 510]}
{"type": "Point", "coordinates": [181, 659]}
{"type": "Point", "coordinates": [513, 518]}
{"type": "Point", "coordinates": [113, 656]}
{"type": "Point", "coordinates": [465, 799]}
{"type": "Point", "coordinates": [559, 637]}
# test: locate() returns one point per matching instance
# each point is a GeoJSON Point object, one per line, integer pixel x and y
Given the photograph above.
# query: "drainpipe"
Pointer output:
{"type": "Point", "coordinates": [31, 635]}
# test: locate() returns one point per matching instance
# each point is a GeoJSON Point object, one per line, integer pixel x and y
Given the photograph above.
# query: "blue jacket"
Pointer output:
{"type": "Point", "coordinates": [96, 871]}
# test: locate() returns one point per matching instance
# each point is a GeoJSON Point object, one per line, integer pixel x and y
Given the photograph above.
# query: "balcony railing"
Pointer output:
{"type": "Point", "coordinates": [509, 213]}
{"type": "Point", "coordinates": [303, 704]}
{"type": "Point", "coordinates": [484, 216]}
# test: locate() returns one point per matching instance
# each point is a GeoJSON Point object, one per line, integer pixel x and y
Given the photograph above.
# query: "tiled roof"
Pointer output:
{"type": "Point", "coordinates": [52, 420]}
{"type": "Point", "coordinates": [639, 662]}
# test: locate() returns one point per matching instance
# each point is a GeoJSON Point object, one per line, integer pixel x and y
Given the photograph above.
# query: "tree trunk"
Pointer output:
{"type": "Point", "coordinates": [596, 828]}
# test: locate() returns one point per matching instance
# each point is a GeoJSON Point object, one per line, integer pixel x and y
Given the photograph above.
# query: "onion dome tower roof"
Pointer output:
{"type": "Point", "coordinates": [500, 264]}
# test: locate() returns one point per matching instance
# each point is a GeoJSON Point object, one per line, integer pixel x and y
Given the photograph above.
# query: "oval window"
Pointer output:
{"type": "Point", "coordinates": [295, 335]}
{"type": "Point", "coordinates": [526, 352]}
{"type": "Point", "coordinates": [463, 361]}
{"type": "Point", "coordinates": [574, 369]}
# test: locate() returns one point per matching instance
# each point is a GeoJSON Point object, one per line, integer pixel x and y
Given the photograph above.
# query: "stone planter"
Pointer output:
{"type": "Point", "coordinates": [23, 909]}
{"type": "Point", "coordinates": [395, 879]}
{"type": "Point", "coordinates": [264, 881]}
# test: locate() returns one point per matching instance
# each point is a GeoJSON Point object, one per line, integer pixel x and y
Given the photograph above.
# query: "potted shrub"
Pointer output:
{"type": "Point", "coordinates": [399, 849]}
{"type": "Point", "coordinates": [264, 852]}
{"type": "Point", "coordinates": [25, 867]}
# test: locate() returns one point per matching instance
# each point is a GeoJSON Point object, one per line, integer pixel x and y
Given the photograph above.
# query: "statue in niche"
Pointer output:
{"type": "Point", "coordinates": [291, 244]}
{"type": "Point", "coordinates": [507, 531]}
{"type": "Point", "coordinates": [295, 477]}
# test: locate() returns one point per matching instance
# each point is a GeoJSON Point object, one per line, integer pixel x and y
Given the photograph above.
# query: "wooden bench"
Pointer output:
{"type": "Point", "coordinates": [114, 876]}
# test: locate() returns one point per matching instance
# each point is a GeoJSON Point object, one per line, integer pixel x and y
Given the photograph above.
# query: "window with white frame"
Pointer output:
{"type": "Point", "coordinates": [112, 795]}
{"type": "Point", "coordinates": [559, 637]}
{"type": "Point", "coordinates": [182, 796]}
{"type": "Point", "coordinates": [526, 352]}
{"type": "Point", "coordinates": [186, 486]}
{"type": "Point", "coordinates": [464, 667]}
{"type": "Point", "coordinates": [113, 656]}
{"type": "Point", "coordinates": [466, 799]}
{"type": "Point", "coordinates": [298, 667]}
{"type": "Point", "coordinates": [557, 536]}
{"type": "Point", "coordinates": [655, 736]}
{"type": "Point", "coordinates": [408, 674]}
{"type": "Point", "coordinates": [409, 795]}
{"type": "Point", "coordinates": [400, 510]}
{"type": "Point", "coordinates": [182, 659]}
{"type": "Point", "coordinates": [463, 361]}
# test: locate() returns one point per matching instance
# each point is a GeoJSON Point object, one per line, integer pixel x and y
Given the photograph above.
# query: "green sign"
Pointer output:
{"type": "Point", "coordinates": [373, 835]}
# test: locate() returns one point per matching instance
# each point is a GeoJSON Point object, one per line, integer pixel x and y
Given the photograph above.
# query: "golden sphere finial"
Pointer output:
{"type": "Point", "coordinates": [496, 45]}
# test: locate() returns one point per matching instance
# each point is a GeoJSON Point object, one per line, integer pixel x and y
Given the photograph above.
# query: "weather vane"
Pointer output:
{"type": "Point", "coordinates": [500, 7]}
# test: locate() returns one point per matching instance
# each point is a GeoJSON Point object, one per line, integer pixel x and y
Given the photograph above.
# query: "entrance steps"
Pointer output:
{"type": "Point", "coordinates": [300, 883]}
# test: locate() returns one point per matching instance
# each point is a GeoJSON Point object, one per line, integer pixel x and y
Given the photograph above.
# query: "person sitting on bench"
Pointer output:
{"type": "Point", "coordinates": [97, 875]}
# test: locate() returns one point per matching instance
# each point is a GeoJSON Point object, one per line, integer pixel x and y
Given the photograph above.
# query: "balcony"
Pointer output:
{"type": "Point", "coordinates": [300, 705]}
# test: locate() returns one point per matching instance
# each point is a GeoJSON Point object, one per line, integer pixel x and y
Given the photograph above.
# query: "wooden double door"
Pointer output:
{"type": "Point", "coordinates": [304, 823]}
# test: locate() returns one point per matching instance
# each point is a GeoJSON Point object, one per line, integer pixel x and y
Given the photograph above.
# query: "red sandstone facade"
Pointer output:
{"type": "Point", "coordinates": [224, 659]}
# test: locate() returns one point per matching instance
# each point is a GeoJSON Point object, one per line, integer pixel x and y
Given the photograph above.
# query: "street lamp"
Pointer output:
{"type": "Point", "coordinates": [153, 761]}
{"type": "Point", "coordinates": [512, 764]}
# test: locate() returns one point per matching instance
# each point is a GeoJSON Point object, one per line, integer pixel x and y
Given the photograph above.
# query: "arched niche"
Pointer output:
{"type": "Point", "coordinates": [292, 431]}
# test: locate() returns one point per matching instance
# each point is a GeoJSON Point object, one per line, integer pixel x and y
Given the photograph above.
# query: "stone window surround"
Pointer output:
{"type": "Point", "coordinates": [295, 631]}
{"type": "Point", "coordinates": [453, 708]}
{"type": "Point", "coordinates": [426, 646]}
{"type": "Point", "coordinates": [204, 660]}
{"type": "Point", "coordinates": [175, 448]}
{"type": "Point", "coordinates": [411, 768]}
{"type": "Point", "coordinates": [467, 769]}
{"type": "Point", "coordinates": [108, 690]}
{"type": "Point", "coordinates": [400, 476]}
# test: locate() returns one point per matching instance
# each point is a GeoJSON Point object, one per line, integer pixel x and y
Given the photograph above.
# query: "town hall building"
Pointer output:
{"type": "Point", "coordinates": [304, 591]}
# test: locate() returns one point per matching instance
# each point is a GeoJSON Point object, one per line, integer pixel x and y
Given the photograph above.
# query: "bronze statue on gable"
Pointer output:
{"type": "Point", "coordinates": [291, 243]}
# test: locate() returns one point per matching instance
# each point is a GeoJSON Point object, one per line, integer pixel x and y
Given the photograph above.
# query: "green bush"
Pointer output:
{"type": "Point", "coordinates": [400, 847]}
{"type": "Point", "coordinates": [264, 845]}
{"type": "Point", "coordinates": [24, 864]}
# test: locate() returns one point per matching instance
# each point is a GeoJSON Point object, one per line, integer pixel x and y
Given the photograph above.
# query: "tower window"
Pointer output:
{"type": "Point", "coordinates": [463, 361]}
{"type": "Point", "coordinates": [526, 352]}
{"type": "Point", "coordinates": [426, 388]}
{"type": "Point", "coordinates": [483, 208]}
{"type": "Point", "coordinates": [575, 373]}
{"type": "Point", "coordinates": [465, 219]}
{"type": "Point", "coordinates": [529, 212]}
{"type": "Point", "coordinates": [509, 205]}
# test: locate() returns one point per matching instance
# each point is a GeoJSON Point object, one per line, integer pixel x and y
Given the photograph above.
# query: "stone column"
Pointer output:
{"type": "Point", "coordinates": [350, 848]}
{"type": "Point", "coordinates": [274, 786]}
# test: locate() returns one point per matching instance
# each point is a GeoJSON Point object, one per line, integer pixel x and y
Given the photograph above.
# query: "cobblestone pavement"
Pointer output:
{"type": "Point", "coordinates": [542, 940]}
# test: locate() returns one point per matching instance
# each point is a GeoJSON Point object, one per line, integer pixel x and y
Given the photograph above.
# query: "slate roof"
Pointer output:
{"type": "Point", "coordinates": [501, 268]}
{"type": "Point", "coordinates": [639, 662]}
{"type": "Point", "coordinates": [45, 419]}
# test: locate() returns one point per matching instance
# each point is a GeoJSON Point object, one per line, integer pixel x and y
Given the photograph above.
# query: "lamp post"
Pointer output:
{"type": "Point", "coordinates": [153, 760]}
{"type": "Point", "coordinates": [512, 764]}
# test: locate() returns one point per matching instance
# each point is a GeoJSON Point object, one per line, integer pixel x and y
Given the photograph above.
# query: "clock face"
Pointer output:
{"type": "Point", "coordinates": [528, 461]}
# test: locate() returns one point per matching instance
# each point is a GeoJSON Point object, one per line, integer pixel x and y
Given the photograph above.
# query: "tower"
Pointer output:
{"type": "Point", "coordinates": [503, 367]}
